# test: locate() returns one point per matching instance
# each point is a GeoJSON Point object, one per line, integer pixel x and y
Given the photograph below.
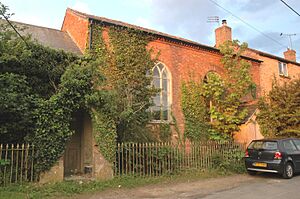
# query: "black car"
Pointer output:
{"type": "Point", "coordinates": [281, 156]}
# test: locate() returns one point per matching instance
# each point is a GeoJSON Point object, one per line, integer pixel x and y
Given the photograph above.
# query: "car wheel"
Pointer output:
{"type": "Point", "coordinates": [252, 173]}
{"type": "Point", "coordinates": [288, 171]}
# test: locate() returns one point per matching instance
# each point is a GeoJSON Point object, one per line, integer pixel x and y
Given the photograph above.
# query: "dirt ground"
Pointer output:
{"type": "Point", "coordinates": [193, 189]}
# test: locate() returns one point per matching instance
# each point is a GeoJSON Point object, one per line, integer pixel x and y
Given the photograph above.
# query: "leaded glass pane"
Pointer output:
{"type": "Point", "coordinates": [165, 83]}
{"type": "Point", "coordinates": [165, 99]}
{"type": "Point", "coordinates": [280, 68]}
{"type": "Point", "coordinates": [156, 100]}
{"type": "Point", "coordinates": [156, 82]}
{"type": "Point", "coordinates": [164, 74]}
{"type": "Point", "coordinates": [160, 66]}
{"type": "Point", "coordinates": [156, 113]}
{"type": "Point", "coordinates": [165, 114]}
{"type": "Point", "coordinates": [156, 72]}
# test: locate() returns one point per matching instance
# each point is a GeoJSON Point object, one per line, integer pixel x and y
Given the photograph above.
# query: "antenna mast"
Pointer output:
{"type": "Point", "coordinates": [290, 38]}
{"type": "Point", "coordinates": [213, 19]}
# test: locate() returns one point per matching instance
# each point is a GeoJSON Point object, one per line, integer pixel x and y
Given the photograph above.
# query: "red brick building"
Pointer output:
{"type": "Point", "coordinates": [179, 60]}
{"type": "Point", "coordinates": [183, 58]}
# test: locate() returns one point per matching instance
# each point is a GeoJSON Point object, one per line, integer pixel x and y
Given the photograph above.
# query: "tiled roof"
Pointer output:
{"type": "Point", "coordinates": [52, 38]}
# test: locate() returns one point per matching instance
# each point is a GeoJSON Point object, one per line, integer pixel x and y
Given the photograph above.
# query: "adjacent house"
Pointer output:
{"type": "Point", "coordinates": [179, 60]}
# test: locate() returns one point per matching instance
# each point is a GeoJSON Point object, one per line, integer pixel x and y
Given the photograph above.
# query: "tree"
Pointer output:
{"type": "Point", "coordinates": [29, 72]}
{"type": "Point", "coordinates": [16, 108]}
{"type": "Point", "coordinates": [279, 114]}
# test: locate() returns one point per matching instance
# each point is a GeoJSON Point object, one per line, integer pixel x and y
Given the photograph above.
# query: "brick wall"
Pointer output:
{"type": "Point", "coordinates": [269, 70]}
{"type": "Point", "coordinates": [77, 27]}
{"type": "Point", "coordinates": [186, 63]}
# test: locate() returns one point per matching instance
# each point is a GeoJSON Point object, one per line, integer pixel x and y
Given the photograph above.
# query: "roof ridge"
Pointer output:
{"type": "Point", "coordinates": [121, 23]}
{"type": "Point", "coordinates": [38, 26]}
{"type": "Point", "coordinates": [262, 53]}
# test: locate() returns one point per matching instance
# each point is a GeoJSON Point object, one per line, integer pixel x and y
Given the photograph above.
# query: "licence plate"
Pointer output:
{"type": "Point", "coordinates": [259, 164]}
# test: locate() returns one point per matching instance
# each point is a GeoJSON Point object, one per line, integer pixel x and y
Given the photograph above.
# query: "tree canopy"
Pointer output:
{"type": "Point", "coordinates": [279, 114]}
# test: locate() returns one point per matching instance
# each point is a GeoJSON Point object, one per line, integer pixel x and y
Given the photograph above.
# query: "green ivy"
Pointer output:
{"type": "Point", "coordinates": [125, 64]}
{"type": "Point", "coordinates": [215, 107]}
{"type": "Point", "coordinates": [195, 111]}
{"type": "Point", "coordinates": [54, 115]}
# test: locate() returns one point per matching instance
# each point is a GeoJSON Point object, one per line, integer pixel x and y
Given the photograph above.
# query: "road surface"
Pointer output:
{"type": "Point", "coordinates": [263, 186]}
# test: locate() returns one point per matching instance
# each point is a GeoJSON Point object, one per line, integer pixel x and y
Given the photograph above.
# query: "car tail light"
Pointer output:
{"type": "Point", "coordinates": [277, 156]}
{"type": "Point", "coordinates": [246, 154]}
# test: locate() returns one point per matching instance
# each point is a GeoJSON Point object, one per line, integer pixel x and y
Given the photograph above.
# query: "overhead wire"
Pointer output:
{"type": "Point", "coordinates": [11, 25]}
{"type": "Point", "coordinates": [248, 24]}
{"type": "Point", "coordinates": [290, 7]}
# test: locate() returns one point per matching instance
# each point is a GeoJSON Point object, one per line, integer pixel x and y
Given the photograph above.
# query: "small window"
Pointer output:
{"type": "Point", "coordinates": [289, 145]}
{"type": "Point", "coordinates": [263, 145]}
{"type": "Point", "coordinates": [297, 143]}
{"type": "Point", "coordinates": [282, 69]}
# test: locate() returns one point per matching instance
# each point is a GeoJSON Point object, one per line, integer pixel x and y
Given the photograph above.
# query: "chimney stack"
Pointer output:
{"type": "Point", "coordinates": [223, 33]}
{"type": "Point", "coordinates": [290, 55]}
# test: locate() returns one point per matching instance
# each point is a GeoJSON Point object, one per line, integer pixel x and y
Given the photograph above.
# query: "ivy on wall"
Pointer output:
{"type": "Point", "coordinates": [195, 111]}
{"type": "Point", "coordinates": [126, 62]}
{"type": "Point", "coordinates": [215, 107]}
{"type": "Point", "coordinates": [54, 115]}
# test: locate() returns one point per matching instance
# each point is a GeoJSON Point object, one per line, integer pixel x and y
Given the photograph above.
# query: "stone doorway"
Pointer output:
{"type": "Point", "coordinates": [78, 155]}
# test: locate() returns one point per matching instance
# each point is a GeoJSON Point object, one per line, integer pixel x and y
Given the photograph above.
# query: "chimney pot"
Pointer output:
{"type": "Point", "coordinates": [224, 22]}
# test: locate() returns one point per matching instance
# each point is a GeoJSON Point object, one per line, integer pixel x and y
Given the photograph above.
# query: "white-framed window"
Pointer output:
{"type": "Point", "coordinates": [282, 67]}
{"type": "Point", "coordinates": [162, 101]}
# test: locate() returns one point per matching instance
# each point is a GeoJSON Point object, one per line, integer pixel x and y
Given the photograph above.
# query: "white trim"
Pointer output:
{"type": "Point", "coordinates": [284, 70]}
{"type": "Point", "coordinates": [169, 89]}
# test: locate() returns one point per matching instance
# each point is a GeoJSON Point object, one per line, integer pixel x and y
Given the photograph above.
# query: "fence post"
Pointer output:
{"type": "Point", "coordinates": [32, 163]}
{"type": "Point", "coordinates": [1, 146]}
{"type": "Point", "coordinates": [26, 161]}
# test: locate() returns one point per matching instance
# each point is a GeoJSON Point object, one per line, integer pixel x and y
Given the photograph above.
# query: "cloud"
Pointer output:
{"type": "Point", "coordinates": [188, 19]}
{"type": "Point", "coordinates": [81, 6]}
{"type": "Point", "coordinates": [143, 22]}
{"type": "Point", "coordinates": [185, 18]}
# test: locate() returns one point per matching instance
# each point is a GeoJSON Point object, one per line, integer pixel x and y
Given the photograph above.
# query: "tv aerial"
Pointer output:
{"type": "Point", "coordinates": [213, 19]}
{"type": "Point", "coordinates": [290, 38]}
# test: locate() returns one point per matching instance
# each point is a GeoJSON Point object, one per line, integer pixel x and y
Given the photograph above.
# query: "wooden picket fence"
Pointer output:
{"type": "Point", "coordinates": [155, 159]}
{"type": "Point", "coordinates": [16, 163]}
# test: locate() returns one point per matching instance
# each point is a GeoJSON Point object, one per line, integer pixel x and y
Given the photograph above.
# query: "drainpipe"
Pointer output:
{"type": "Point", "coordinates": [90, 34]}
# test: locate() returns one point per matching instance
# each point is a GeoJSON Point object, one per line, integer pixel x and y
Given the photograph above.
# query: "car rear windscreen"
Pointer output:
{"type": "Point", "coordinates": [263, 145]}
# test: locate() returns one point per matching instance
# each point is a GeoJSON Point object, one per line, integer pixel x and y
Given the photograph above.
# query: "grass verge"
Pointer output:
{"type": "Point", "coordinates": [71, 188]}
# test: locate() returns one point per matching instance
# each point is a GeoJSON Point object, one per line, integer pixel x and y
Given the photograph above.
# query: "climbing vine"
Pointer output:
{"type": "Point", "coordinates": [195, 111]}
{"type": "Point", "coordinates": [215, 107]}
{"type": "Point", "coordinates": [126, 62]}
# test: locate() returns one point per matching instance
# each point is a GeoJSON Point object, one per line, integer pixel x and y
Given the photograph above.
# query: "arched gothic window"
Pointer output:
{"type": "Point", "coordinates": [162, 101]}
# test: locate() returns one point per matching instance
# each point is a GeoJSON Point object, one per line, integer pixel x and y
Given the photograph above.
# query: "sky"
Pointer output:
{"type": "Point", "coordinates": [257, 22]}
